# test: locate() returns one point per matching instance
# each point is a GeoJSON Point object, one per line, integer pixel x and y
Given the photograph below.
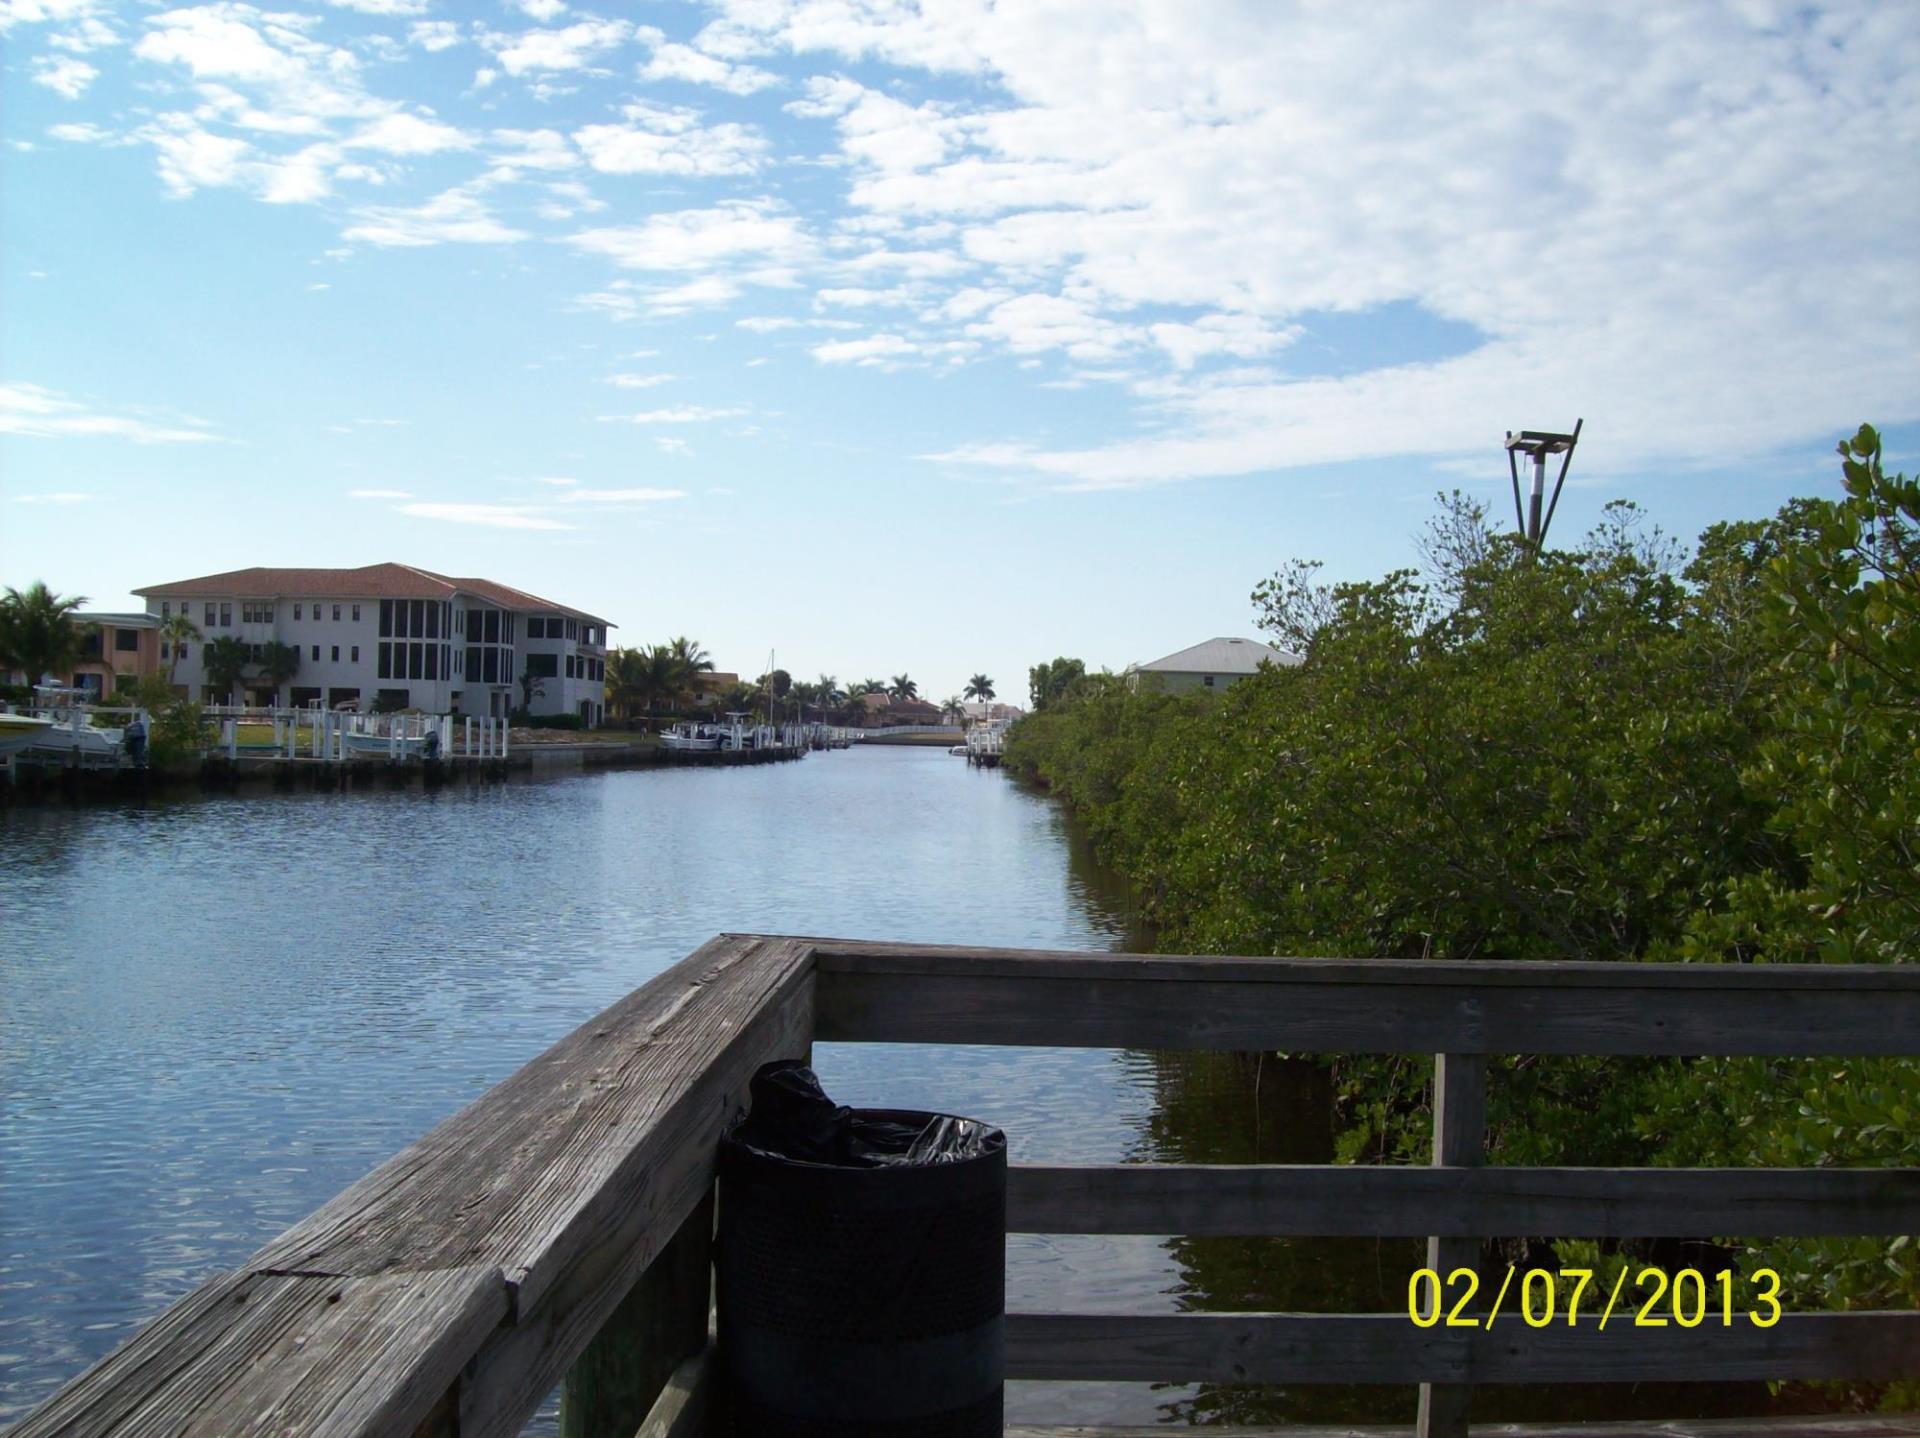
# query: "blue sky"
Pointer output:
{"type": "Point", "coordinates": [936, 339]}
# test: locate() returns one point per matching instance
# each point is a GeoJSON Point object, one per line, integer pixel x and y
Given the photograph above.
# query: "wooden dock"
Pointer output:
{"type": "Point", "coordinates": [557, 1230]}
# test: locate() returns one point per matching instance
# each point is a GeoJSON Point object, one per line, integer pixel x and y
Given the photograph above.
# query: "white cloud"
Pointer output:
{"type": "Point", "coordinates": [453, 216]}
{"type": "Point", "coordinates": [683, 62]}
{"type": "Point", "coordinates": [392, 8]}
{"type": "Point", "coordinates": [491, 516]}
{"type": "Point", "coordinates": [1680, 224]}
{"type": "Point", "coordinates": [684, 414]}
{"type": "Point", "coordinates": [36, 12]}
{"type": "Point", "coordinates": [57, 497]}
{"type": "Point", "coordinates": [64, 75]}
{"type": "Point", "coordinates": [544, 51]}
{"type": "Point", "coordinates": [33, 410]}
{"type": "Point", "coordinates": [379, 494]}
{"type": "Point", "coordinates": [80, 134]}
{"type": "Point", "coordinates": [639, 381]}
{"type": "Point", "coordinates": [621, 496]}
{"type": "Point", "coordinates": [661, 140]}
{"type": "Point", "coordinates": [876, 349]}
{"type": "Point", "coordinates": [409, 135]}
{"type": "Point", "coordinates": [767, 324]}
{"type": "Point", "coordinates": [89, 33]}
{"type": "Point", "coordinates": [433, 36]}
{"type": "Point", "coordinates": [555, 479]}
{"type": "Point", "coordinates": [738, 230]}
{"type": "Point", "coordinates": [545, 11]}
{"type": "Point", "coordinates": [672, 444]}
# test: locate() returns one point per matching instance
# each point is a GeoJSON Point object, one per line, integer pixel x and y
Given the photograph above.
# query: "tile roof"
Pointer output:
{"type": "Point", "coordinates": [369, 581]}
{"type": "Point", "coordinates": [1222, 656]}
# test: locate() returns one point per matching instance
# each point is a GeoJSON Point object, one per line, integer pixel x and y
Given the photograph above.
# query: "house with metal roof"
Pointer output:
{"type": "Point", "coordinates": [1212, 664]}
{"type": "Point", "coordinates": [395, 636]}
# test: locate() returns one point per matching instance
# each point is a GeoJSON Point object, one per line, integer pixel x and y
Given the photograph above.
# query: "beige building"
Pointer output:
{"type": "Point", "coordinates": [1211, 665]}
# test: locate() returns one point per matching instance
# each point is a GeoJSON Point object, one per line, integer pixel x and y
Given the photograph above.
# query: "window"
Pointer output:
{"type": "Point", "coordinates": [316, 653]}
{"type": "Point", "coordinates": [226, 616]}
{"type": "Point", "coordinates": [573, 630]}
{"type": "Point", "coordinates": [386, 619]}
{"type": "Point", "coordinates": [163, 649]}
{"type": "Point", "coordinates": [166, 609]}
{"type": "Point", "coordinates": [209, 623]}
{"type": "Point", "coordinates": [472, 667]}
{"type": "Point", "coordinates": [473, 626]}
{"type": "Point", "coordinates": [180, 652]}
{"type": "Point", "coordinates": [356, 614]}
{"type": "Point", "coordinates": [336, 614]}
{"type": "Point", "coordinates": [492, 631]}
{"type": "Point", "coordinates": [1207, 680]}
{"type": "Point", "coordinates": [335, 656]}
{"type": "Point", "coordinates": [490, 666]}
{"type": "Point", "coordinates": [570, 665]}
{"type": "Point", "coordinates": [433, 661]}
{"type": "Point", "coordinates": [383, 665]}
{"type": "Point", "coordinates": [354, 657]}
{"type": "Point", "coordinates": [126, 641]}
{"type": "Point", "coordinates": [543, 666]}
{"type": "Point", "coordinates": [433, 621]}
{"type": "Point", "coordinates": [536, 629]}
{"type": "Point", "coordinates": [296, 614]}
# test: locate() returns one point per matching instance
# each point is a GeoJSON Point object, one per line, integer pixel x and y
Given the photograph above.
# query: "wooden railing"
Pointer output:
{"type": "Point", "coordinates": [558, 1228]}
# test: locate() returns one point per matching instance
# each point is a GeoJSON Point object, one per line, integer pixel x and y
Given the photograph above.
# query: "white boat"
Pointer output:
{"type": "Point", "coordinates": [386, 746]}
{"type": "Point", "coordinates": [70, 737]}
{"type": "Point", "coordinates": [689, 738]}
{"type": "Point", "coordinates": [19, 732]}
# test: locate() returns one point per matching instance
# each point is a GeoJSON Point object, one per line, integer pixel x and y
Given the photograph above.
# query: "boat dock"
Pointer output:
{"type": "Point", "coordinates": [558, 1230]}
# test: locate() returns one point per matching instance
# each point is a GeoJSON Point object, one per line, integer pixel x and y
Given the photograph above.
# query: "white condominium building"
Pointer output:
{"type": "Point", "coordinates": [394, 636]}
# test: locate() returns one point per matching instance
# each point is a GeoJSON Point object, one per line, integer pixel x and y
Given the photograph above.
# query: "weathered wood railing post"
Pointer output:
{"type": "Point", "coordinates": [612, 1385]}
{"type": "Point", "coordinates": [1459, 1141]}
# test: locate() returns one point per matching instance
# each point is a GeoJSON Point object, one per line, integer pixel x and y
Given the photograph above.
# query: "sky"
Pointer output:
{"type": "Point", "coordinates": [940, 339]}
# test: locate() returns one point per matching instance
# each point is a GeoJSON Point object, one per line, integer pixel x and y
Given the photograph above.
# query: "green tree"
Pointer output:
{"type": "Point", "coordinates": [39, 633]}
{"type": "Point", "coordinates": [278, 663]}
{"type": "Point", "coordinates": [901, 687]}
{"type": "Point", "coordinates": [980, 687]}
{"type": "Point", "coordinates": [1051, 682]}
{"type": "Point", "coordinates": [953, 708]}
{"type": "Point", "coordinates": [177, 732]}
{"type": "Point", "coordinates": [223, 661]}
{"type": "Point", "coordinates": [532, 686]}
{"type": "Point", "coordinates": [176, 630]}
{"type": "Point", "coordinates": [628, 686]}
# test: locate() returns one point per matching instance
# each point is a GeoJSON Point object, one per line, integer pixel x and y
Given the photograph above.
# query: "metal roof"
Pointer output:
{"type": "Point", "coordinates": [1221, 656]}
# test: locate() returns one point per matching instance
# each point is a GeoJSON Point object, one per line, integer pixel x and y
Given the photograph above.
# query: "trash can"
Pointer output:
{"type": "Point", "coordinates": [861, 1260]}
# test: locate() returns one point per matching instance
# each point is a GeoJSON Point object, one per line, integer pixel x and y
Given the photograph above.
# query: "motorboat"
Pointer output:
{"type": "Point", "coordinates": [687, 737]}
{"type": "Point", "coordinates": [70, 738]}
{"type": "Point", "coordinates": [19, 733]}
{"type": "Point", "coordinates": [388, 746]}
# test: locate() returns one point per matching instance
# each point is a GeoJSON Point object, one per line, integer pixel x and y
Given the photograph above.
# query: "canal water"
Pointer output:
{"type": "Point", "coordinates": [216, 1013]}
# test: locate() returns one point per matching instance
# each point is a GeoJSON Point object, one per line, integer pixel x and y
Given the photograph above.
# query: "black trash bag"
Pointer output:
{"type": "Point", "coordinates": [791, 1117]}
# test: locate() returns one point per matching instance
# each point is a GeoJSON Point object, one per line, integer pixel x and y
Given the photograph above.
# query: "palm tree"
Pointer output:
{"type": "Point", "coordinates": [223, 661]}
{"type": "Point", "coordinates": [175, 631]}
{"type": "Point", "coordinates": [953, 709]}
{"type": "Point", "coordinates": [38, 634]}
{"type": "Point", "coordinates": [629, 681]}
{"type": "Point", "coordinates": [903, 688]}
{"type": "Point", "coordinates": [278, 664]}
{"type": "Point", "coordinates": [980, 687]}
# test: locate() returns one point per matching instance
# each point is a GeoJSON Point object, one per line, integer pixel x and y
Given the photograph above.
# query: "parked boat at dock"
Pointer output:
{"type": "Point", "coordinates": [688, 737]}
{"type": "Point", "coordinates": [20, 732]}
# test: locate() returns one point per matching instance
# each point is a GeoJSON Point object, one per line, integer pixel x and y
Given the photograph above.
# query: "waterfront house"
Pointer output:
{"type": "Point", "coordinates": [1210, 665]}
{"type": "Point", "coordinates": [394, 636]}
{"type": "Point", "coordinates": [115, 649]}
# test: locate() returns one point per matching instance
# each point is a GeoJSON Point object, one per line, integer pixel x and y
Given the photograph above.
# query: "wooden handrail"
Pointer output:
{"type": "Point", "coordinates": [452, 1287]}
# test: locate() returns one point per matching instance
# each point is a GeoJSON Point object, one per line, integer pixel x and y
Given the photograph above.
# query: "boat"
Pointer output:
{"type": "Point", "coordinates": [70, 738]}
{"type": "Point", "coordinates": [19, 732]}
{"type": "Point", "coordinates": [687, 737]}
{"type": "Point", "coordinates": [387, 746]}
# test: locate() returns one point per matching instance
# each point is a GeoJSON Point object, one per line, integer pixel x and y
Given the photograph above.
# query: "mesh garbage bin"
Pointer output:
{"type": "Point", "coordinates": [862, 1283]}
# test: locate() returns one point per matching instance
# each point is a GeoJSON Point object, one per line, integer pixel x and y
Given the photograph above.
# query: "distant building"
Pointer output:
{"type": "Point", "coordinates": [393, 635]}
{"type": "Point", "coordinates": [992, 711]}
{"type": "Point", "coordinates": [711, 686]}
{"type": "Point", "coordinates": [1211, 665]}
{"type": "Point", "coordinates": [115, 650]}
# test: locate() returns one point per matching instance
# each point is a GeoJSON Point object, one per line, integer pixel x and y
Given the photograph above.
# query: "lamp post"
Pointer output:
{"type": "Point", "coordinates": [1537, 444]}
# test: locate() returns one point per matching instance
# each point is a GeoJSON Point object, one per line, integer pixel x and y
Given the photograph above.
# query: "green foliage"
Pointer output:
{"type": "Point", "coordinates": [38, 634]}
{"type": "Point", "coordinates": [223, 661]}
{"type": "Point", "coordinates": [177, 731]}
{"type": "Point", "coordinates": [1596, 754]}
{"type": "Point", "coordinates": [554, 721]}
{"type": "Point", "coordinates": [980, 687]}
{"type": "Point", "coordinates": [1049, 683]}
{"type": "Point", "coordinates": [901, 687]}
